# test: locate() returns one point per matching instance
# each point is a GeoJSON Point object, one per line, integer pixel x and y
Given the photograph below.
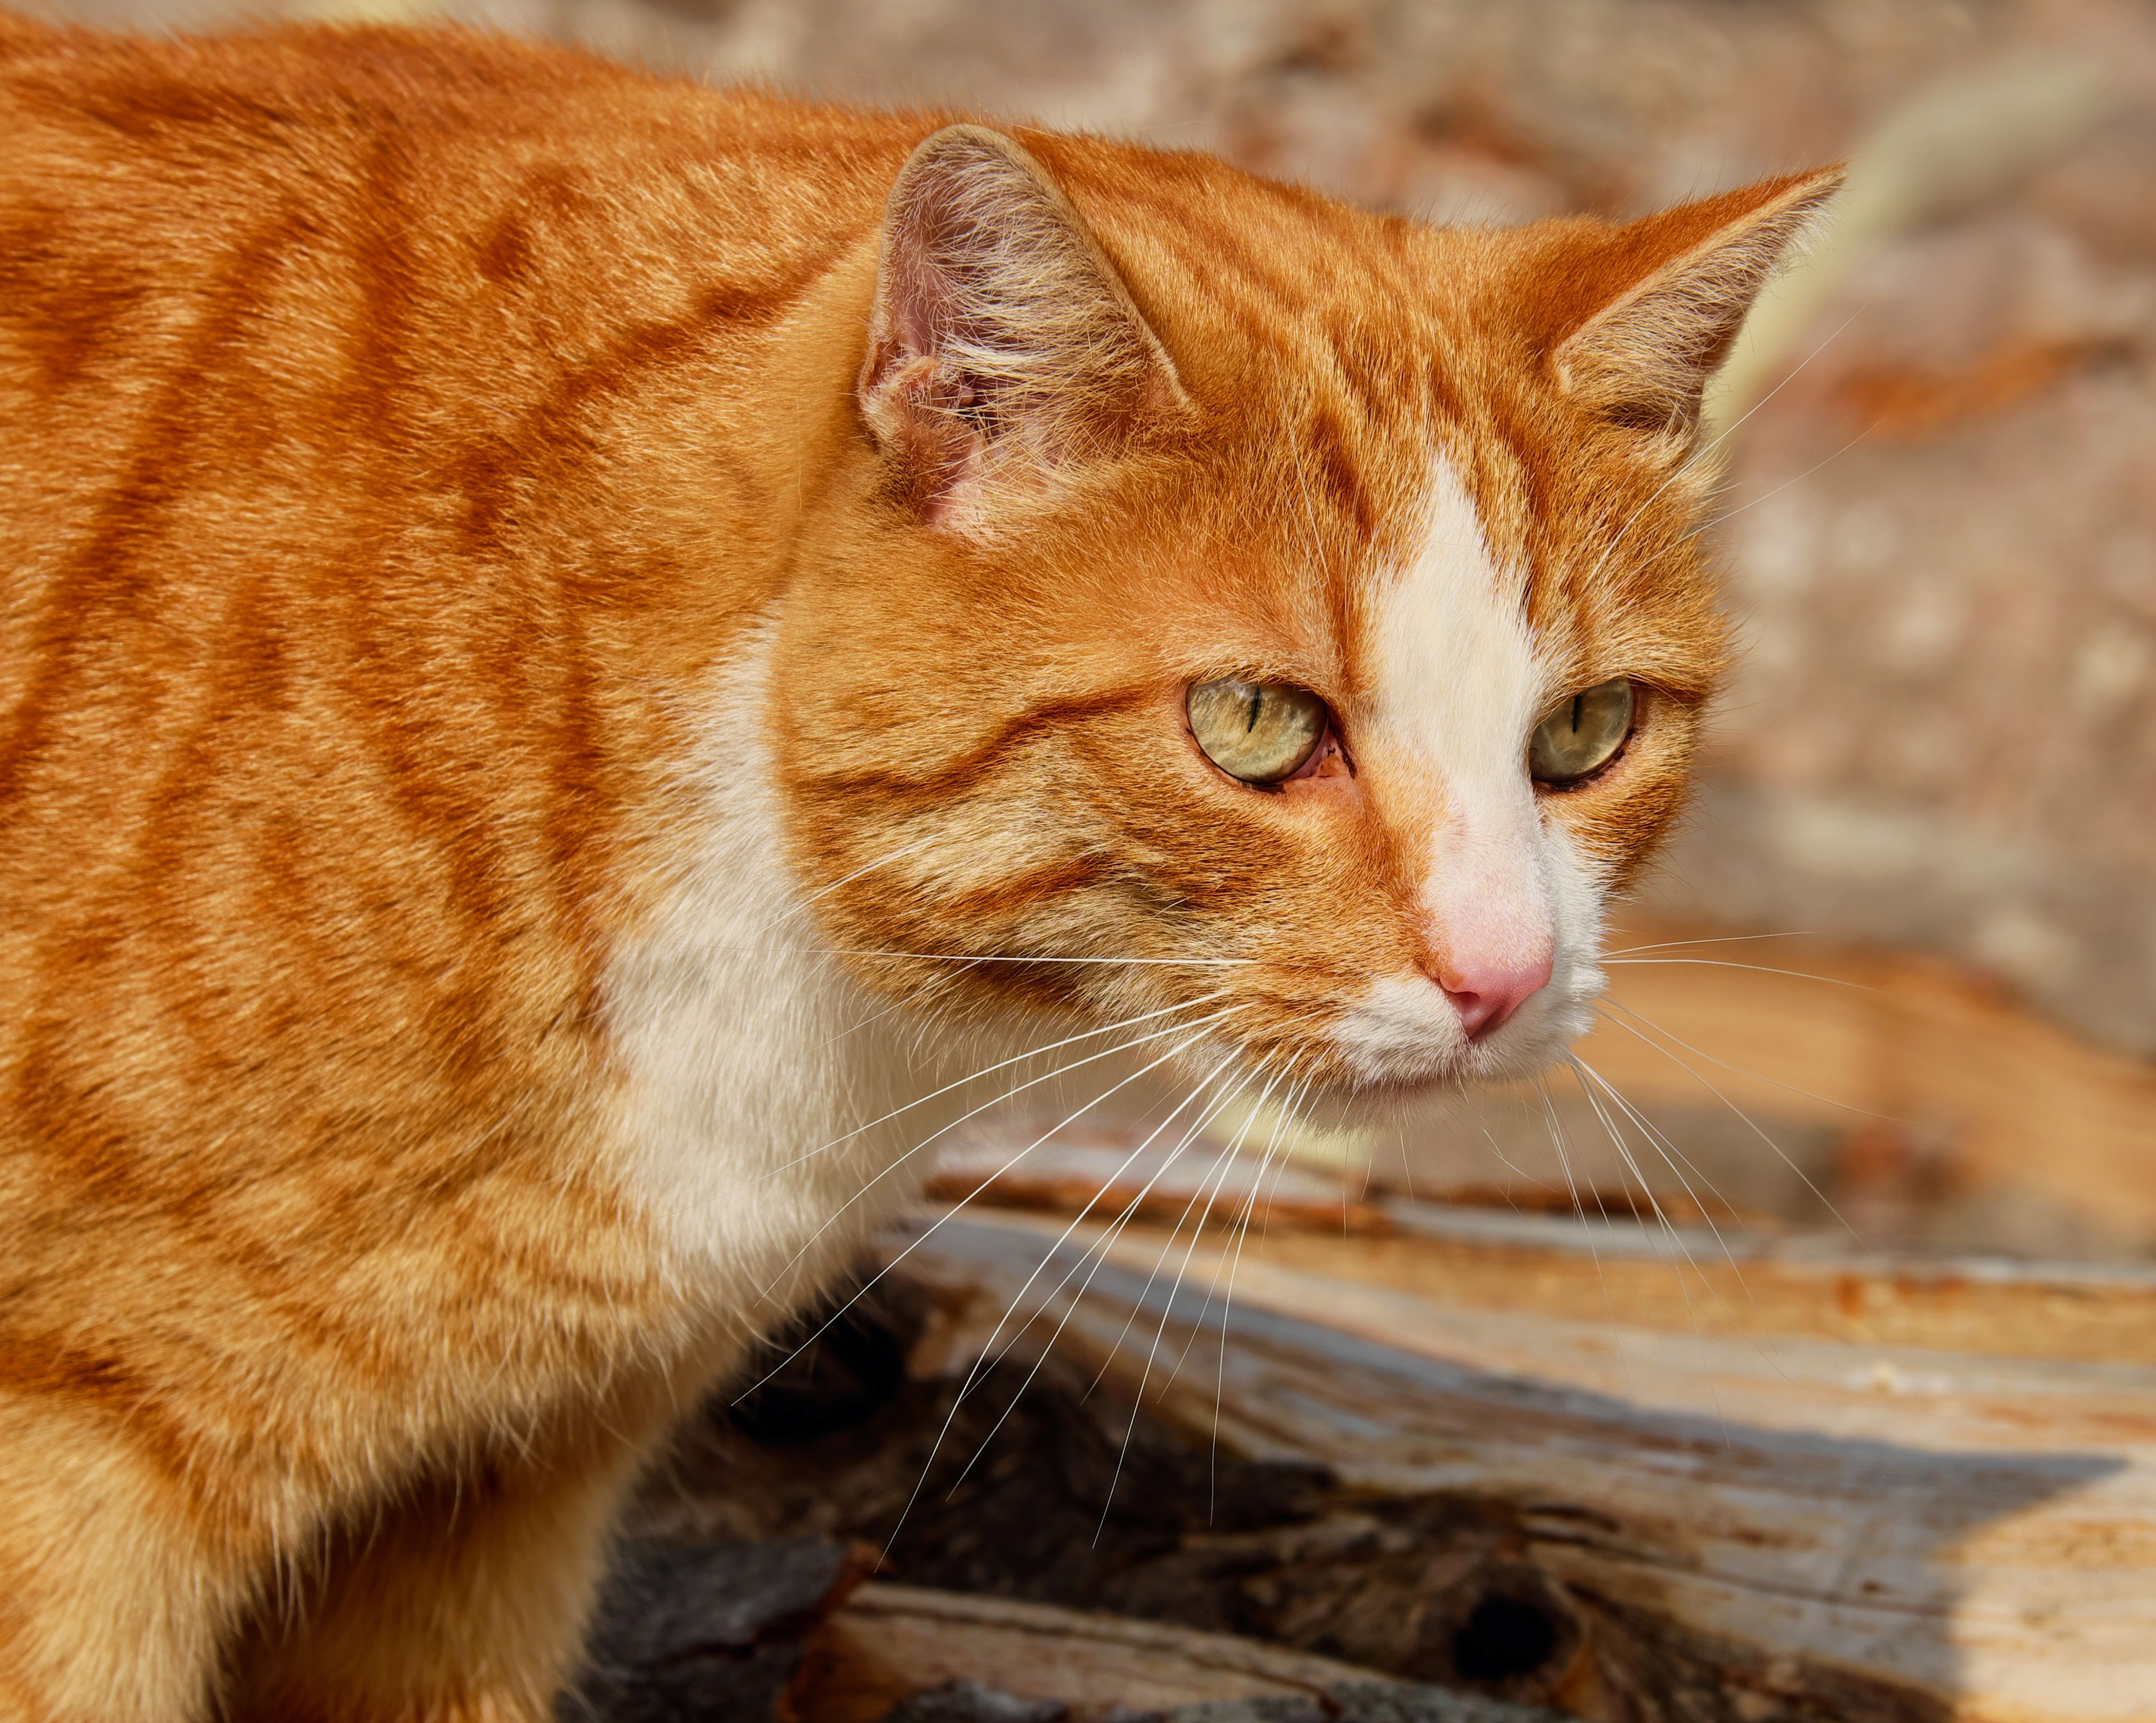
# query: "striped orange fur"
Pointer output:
{"type": "Point", "coordinates": [527, 583]}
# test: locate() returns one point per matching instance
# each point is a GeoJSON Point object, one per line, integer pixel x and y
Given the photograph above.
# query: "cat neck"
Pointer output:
{"type": "Point", "coordinates": [749, 1062]}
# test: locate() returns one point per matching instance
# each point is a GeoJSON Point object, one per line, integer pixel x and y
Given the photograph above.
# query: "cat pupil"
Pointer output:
{"type": "Point", "coordinates": [1257, 700]}
{"type": "Point", "coordinates": [1578, 706]}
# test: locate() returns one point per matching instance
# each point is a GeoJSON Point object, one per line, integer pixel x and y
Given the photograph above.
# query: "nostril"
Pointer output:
{"type": "Point", "coordinates": [1486, 995]}
{"type": "Point", "coordinates": [1475, 1009]}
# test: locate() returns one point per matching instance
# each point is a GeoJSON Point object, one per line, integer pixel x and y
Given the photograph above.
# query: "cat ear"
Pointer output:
{"type": "Point", "coordinates": [1003, 346]}
{"type": "Point", "coordinates": [1663, 298]}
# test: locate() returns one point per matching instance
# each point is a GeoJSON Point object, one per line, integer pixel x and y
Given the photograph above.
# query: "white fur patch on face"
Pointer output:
{"type": "Point", "coordinates": [1460, 688]}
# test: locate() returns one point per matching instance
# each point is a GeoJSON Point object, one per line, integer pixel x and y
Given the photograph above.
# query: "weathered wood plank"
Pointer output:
{"type": "Point", "coordinates": [891, 1641]}
{"type": "Point", "coordinates": [1710, 1278]}
{"type": "Point", "coordinates": [1849, 1034]}
{"type": "Point", "coordinates": [1833, 1528]}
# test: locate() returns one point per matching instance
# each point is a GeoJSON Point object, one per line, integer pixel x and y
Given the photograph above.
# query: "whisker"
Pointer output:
{"type": "Point", "coordinates": [1217, 1169]}
{"type": "Point", "coordinates": [1658, 1140]}
{"type": "Point", "coordinates": [1824, 1101]}
{"type": "Point", "coordinates": [970, 957]}
{"type": "Point", "coordinates": [1827, 340]}
{"type": "Point", "coordinates": [1005, 1065]}
{"type": "Point", "coordinates": [1623, 1150]}
{"type": "Point", "coordinates": [1750, 1123]}
{"type": "Point", "coordinates": [1496, 1149]}
{"type": "Point", "coordinates": [1580, 1208]}
{"type": "Point", "coordinates": [1699, 456]}
{"type": "Point", "coordinates": [1153, 1352]}
{"type": "Point", "coordinates": [1672, 1155]}
{"type": "Point", "coordinates": [1833, 980]}
{"type": "Point", "coordinates": [1228, 1303]}
{"type": "Point", "coordinates": [1235, 1149]}
{"type": "Point", "coordinates": [1018, 1302]}
{"type": "Point", "coordinates": [1581, 1074]}
{"type": "Point", "coordinates": [943, 980]}
{"type": "Point", "coordinates": [1102, 1246]}
{"type": "Point", "coordinates": [930, 1231]}
{"type": "Point", "coordinates": [943, 1131]}
{"type": "Point", "coordinates": [1129, 1161]}
{"type": "Point", "coordinates": [1768, 496]}
{"type": "Point", "coordinates": [1672, 945]}
{"type": "Point", "coordinates": [793, 910]}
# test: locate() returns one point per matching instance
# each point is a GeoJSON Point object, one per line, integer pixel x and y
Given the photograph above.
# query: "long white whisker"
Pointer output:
{"type": "Point", "coordinates": [1666, 1148]}
{"type": "Point", "coordinates": [1699, 456]}
{"type": "Point", "coordinates": [1005, 1065]}
{"type": "Point", "coordinates": [1768, 496]}
{"type": "Point", "coordinates": [943, 979]}
{"type": "Point", "coordinates": [1738, 1070]}
{"type": "Point", "coordinates": [1625, 1151]}
{"type": "Point", "coordinates": [1018, 1302]}
{"type": "Point", "coordinates": [1228, 1301]}
{"type": "Point", "coordinates": [1130, 1209]}
{"type": "Point", "coordinates": [930, 1229]}
{"type": "Point", "coordinates": [993, 957]}
{"type": "Point", "coordinates": [1614, 961]}
{"type": "Point", "coordinates": [886, 1172]}
{"type": "Point", "coordinates": [1234, 1150]}
{"type": "Point", "coordinates": [1219, 1166]}
{"type": "Point", "coordinates": [1750, 1123]}
{"type": "Point", "coordinates": [1657, 1140]}
{"type": "Point", "coordinates": [1572, 1185]}
{"type": "Point", "coordinates": [1672, 945]}
{"type": "Point", "coordinates": [1102, 1247]}
{"type": "Point", "coordinates": [1580, 1074]}
{"type": "Point", "coordinates": [1831, 336]}
{"type": "Point", "coordinates": [793, 910]}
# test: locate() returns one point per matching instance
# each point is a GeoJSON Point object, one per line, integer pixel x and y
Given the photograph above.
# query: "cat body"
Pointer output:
{"type": "Point", "coordinates": [572, 641]}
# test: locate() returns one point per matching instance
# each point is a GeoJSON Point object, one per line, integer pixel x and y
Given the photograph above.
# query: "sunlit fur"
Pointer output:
{"type": "Point", "coordinates": [525, 583]}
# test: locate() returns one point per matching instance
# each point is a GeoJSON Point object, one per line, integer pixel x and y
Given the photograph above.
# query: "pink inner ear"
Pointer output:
{"type": "Point", "coordinates": [917, 291]}
{"type": "Point", "coordinates": [928, 422]}
{"type": "Point", "coordinates": [1005, 346]}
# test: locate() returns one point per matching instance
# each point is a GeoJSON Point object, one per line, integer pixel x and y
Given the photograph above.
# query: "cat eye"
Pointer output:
{"type": "Point", "coordinates": [1260, 732]}
{"type": "Point", "coordinates": [1582, 736]}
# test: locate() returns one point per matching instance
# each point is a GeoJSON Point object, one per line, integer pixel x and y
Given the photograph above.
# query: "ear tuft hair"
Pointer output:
{"type": "Point", "coordinates": [1669, 294]}
{"type": "Point", "coordinates": [1003, 342]}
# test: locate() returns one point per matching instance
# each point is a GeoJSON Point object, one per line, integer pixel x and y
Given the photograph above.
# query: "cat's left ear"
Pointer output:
{"type": "Point", "coordinates": [1003, 349]}
{"type": "Point", "coordinates": [1649, 312]}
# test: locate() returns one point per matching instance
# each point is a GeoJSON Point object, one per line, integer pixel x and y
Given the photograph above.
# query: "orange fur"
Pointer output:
{"type": "Point", "coordinates": [401, 436]}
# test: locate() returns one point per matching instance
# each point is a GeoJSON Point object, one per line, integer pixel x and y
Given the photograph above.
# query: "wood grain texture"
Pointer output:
{"type": "Point", "coordinates": [1788, 1526]}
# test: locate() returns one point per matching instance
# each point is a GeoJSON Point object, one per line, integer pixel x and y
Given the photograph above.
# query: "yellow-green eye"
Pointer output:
{"type": "Point", "coordinates": [1582, 736]}
{"type": "Point", "coordinates": [1258, 731]}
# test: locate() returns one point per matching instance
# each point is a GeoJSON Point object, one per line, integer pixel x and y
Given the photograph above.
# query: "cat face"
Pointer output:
{"type": "Point", "coordinates": [1288, 668]}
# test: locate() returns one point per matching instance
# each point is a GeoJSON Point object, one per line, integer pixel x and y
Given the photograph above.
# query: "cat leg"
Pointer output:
{"type": "Point", "coordinates": [120, 1570]}
{"type": "Point", "coordinates": [462, 1601]}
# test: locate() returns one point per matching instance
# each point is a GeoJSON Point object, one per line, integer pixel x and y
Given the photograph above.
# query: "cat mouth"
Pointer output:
{"type": "Point", "coordinates": [1403, 1039]}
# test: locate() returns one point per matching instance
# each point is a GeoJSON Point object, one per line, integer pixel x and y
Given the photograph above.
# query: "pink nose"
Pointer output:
{"type": "Point", "coordinates": [1484, 994]}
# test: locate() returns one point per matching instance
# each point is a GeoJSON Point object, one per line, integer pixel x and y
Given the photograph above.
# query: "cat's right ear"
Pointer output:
{"type": "Point", "coordinates": [1003, 350]}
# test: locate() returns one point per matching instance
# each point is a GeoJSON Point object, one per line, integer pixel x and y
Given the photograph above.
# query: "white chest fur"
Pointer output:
{"type": "Point", "coordinates": [751, 1062]}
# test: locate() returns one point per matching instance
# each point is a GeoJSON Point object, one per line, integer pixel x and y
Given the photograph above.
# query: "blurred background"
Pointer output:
{"type": "Point", "coordinates": [1933, 780]}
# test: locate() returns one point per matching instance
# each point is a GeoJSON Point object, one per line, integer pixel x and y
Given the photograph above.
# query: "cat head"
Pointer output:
{"type": "Point", "coordinates": [1273, 627]}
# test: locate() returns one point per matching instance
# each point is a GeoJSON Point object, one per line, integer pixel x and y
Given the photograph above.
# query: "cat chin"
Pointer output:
{"type": "Point", "coordinates": [1401, 1041]}
{"type": "Point", "coordinates": [1366, 1101]}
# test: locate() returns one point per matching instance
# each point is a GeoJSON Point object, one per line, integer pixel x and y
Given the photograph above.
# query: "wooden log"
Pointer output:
{"type": "Point", "coordinates": [1701, 1280]}
{"type": "Point", "coordinates": [1743, 1527]}
{"type": "Point", "coordinates": [890, 1643]}
{"type": "Point", "coordinates": [1885, 1037]}
{"type": "Point", "coordinates": [1704, 1275]}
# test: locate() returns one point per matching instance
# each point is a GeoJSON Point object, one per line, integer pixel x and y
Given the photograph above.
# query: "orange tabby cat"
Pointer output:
{"type": "Point", "coordinates": [537, 597]}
